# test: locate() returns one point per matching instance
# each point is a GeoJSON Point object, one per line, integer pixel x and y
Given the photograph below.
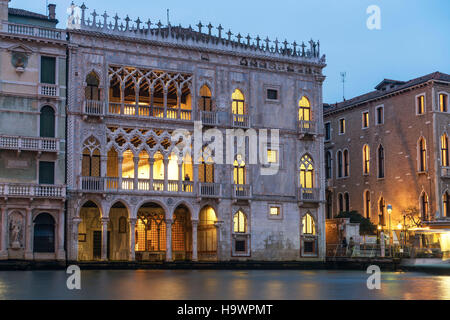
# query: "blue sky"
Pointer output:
{"type": "Point", "coordinates": [414, 39]}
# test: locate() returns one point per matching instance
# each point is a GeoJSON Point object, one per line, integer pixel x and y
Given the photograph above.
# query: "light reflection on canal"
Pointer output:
{"type": "Point", "coordinates": [223, 285]}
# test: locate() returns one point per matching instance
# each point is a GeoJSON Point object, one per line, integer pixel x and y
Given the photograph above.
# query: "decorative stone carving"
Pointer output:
{"type": "Point", "coordinates": [19, 60]}
{"type": "Point", "coordinates": [16, 222]}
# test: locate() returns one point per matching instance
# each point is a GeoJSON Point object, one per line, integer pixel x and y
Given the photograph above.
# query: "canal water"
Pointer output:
{"type": "Point", "coordinates": [223, 285]}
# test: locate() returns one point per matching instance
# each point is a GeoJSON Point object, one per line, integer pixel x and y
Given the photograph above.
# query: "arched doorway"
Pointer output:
{"type": "Point", "coordinates": [44, 233]}
{"type": "Point", "coordinates": [181, 234]}
{"type": "Point", "coordinates": [90, 233]}
{"type": "Point", "coordinates": [150, 233]}
{"type": "Point", "coordinates": [207, 235]}
{"type": "Point", "coordinates": [119, 233]}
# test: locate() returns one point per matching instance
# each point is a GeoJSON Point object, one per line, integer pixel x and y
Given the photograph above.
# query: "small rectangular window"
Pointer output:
{"type": "Point", "coordinates": [274, 211]}
{"type": "Point", "coordinates": [365, 119]}
{"type": "Point", "coordinates": [308, 246]}
{"type": "Point", "coordinates": [46, 172]}
{"type": "Point", "coordinates": [272, 156]}
{"type": "Point", "coordinates": [239, 246]}
{"type": "Point", "coordinates": [327, 131]}
{"type": "Point", "coordinates": [421, 104]}
{"type": "Point", "coordinates": [341, 126]}
{"type": "Point", "coordinates": [48, 70]}
{"type": "Point", "coordinates": [443, 102]}
{"type": "Point", "coordinates": [380, 115]}
{"type": "Point", "coordinates": [272, 94]}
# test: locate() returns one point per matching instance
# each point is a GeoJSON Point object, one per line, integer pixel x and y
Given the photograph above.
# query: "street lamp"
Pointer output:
{"type": "Point", "coordinates": [389, 210]}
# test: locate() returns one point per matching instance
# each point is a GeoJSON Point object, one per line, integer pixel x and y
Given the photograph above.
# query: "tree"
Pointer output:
{"type": "Point", "coordinates": [413, 215]}
{"type": "Point", "coordinates": [366, 227]}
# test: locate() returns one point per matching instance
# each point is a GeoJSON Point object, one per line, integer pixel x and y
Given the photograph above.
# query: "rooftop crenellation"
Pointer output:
{"type": "Point", "coordinates": [203, 35]}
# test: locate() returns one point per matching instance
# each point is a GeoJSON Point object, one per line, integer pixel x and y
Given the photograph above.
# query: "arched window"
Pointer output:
{"type": "Point", "coordinates": [443, 101]}
{"type": "Point", "coordinates": [446, 204]}
{"type": "Point", "coordinates": [346, 164]}
{"type": "Point", "coordinates": [367, 204]}
{"type": "Point", "coordinates": [422, 155]}
{"type": "Point", "coordinates": [239, 222]}
{"type": "Point", "coordinates": [205, 99]}
{"type": "Point", "coordinates": [92, 91]}
{"type": "Point", "coordinates": [444, 151]}
{"type": "Point", "coordinates": [339, 164]}
{"type": "Point", "coordinates": [309, 226]}
{"type": "Point", "coordinates": [329, 165]}
{"type": "Point", "coordinates": [47, 122]}
{"type": "Point", "coordinates": [341, 202]}
{"type": "Point", "coordinates": [91, 158]}
{"type": "Point", "coordinates": [44, 233]}
{"type": "Point", "coordinates": [304, 109]}
{"type": "Point", "coordinates": [239, 173]}
{"type": "Point", "coordinates": [347, 201]}
{"type": "Point", "coordinates": [306, 172]}
{"type": "Point", "coordinates": [380, 161]}
{"type": "Point", "coordinates": [382, 211]}
{"type": "Point", "coordinates": [424, 206]}
{"type": "Point", "coordinates": [206, 170]}
{"type": "Point", "coordinates": [366, 159]}
{"type": "Point", "coordinates": [329, 205]}
{"type": "Point", "coordinates": [238, 105]}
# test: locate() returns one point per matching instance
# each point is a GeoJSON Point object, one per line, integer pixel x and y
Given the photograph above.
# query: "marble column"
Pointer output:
{"type": "Point", "coordinates": [166, 174]}
{"type": "Point", "coordinates": [120, 161]}
{"type": "Point", "coordinates": [103, 166]}
{"type": "Point", "coordinates": [60, 253]}
{"type": "Point", "coordinates": [29, 235]}
{"type": "Point", "coordinates": [180, 177]}
{"type": "Point", "coordinates": [4, 235]}
{"type": "Point", "coordinates": [151, 161]}
{"type": "Point", "coordinates": [105, 239]}
{"type": "Point", "coordinates": [132, 255]}
{"type": "Point", "coordinates": [169, 240]}
{"type": "Point", "coordinates": [75, 224]}
{"type": "Point", "coordinates": [194, 240]}
{"type": "Point", "coordinates": [136, 173]}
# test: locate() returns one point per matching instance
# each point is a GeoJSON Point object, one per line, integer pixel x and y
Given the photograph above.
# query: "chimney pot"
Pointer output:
{"type": "Point", "coordinates": [52, 11]}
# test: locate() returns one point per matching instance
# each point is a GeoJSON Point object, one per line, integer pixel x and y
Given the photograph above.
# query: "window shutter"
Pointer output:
{"type": "Point", "coordinates": [46, 172]}
{"type": "Point", "coordinates": [47, 122]}
{"type": "Point", "coordinates": [48, 70]}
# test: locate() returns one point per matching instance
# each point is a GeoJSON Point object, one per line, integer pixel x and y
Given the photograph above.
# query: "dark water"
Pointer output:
{"type": "Point", "coordinates": [226, 285]}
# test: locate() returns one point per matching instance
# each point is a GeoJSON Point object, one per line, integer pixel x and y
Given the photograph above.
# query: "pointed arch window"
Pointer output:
{"type": "Point", "coordinates": [382, 211]}
{"type": "Point", "coordinates": [446, 204]}
{"type": "Point", "coordinates": [346, 163]}
{"type": "Point", "coordinates": [329, 205]}
{"type": "Point", "coordinates": [205, 99]}
{"type": "Point", "coordinates": [239, 172]}
{"type": "Point", "coordinates": [339, 164]}
{"type": "Point", "coordinates": [92, 91]}
{"type": "Point", "coordinates": [366, 159]}
{"type": "Point", "coordinates": [306, 172]}
{"type": "Point", "coordinates": [380, 162]}
{"type": "Point", "coordinates": [329, 165]}
{"type": "Point", "coordinates": [309, 226]}
{"type": "Point", "coordinates": [444, 151]}
{"type": "Point", "coordinates": [47, 122]}
{"type": "Point", "coordinates": [422, 155]}
{"type": "Point", "coordinates": [347, 202]}
{"type": "Point", "coordinates": [304, 109]}
{"type": "Point", "coordinates": [240, 222]}
{"type": "Point", "coordinates": [238, 104]}
{"type": "Point", "coordinates": [206, 170]}
{"type": "Point", "coordinates": [341, 202]}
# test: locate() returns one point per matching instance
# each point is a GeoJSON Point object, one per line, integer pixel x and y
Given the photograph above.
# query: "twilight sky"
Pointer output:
{"type": "Point", "coordinates": [414, 39]}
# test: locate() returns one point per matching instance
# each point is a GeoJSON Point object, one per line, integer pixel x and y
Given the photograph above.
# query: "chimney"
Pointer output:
{"type": "Point", "coordinates": [52, 11]}
{"type": "Point", "coordinates": [4, 10]}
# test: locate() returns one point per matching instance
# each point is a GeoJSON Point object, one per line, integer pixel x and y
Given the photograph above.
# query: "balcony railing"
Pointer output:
{"type": "Point", "coordinates": [307, 127]}
{"type": "Point", "coordinates": [240, 121]}
{"type": "Point", "coordinates": [242, 191]}
{"type": "Point", "coordinates": [32, 190]}
{"type": "Point", "coordinates": [48, 90]}
{"type": "Point", "coordinates": [29, 144]}
{"type": "Point", "coordinates": [309, 194]}
{"type": "Point", "coordinates": [445, 172]}
{"type": "Point", "coordinates": [34, 31]}
{"type": "Point", "coordinates": [209, 190]}
{"type": "Point", "coordinates": [94, 108]}
{"type": "Point", "coordinates": [209, 118]}
{"type": "Point", "coordinates": [146, 111]}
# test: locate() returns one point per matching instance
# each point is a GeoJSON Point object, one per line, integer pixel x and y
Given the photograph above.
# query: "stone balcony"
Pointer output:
{"type": "Point", "coordinates": [311, 195]}
{"type": "Point", "coordinates": [209, 118]}
{"type": "Point", "coordinates": [34, 31]}
{"type": "Point", "coordinates": [209, 190]}
{"type": "Point", "coordinates": [240, 121]}
{"type": "Point", "coordinates": [48, 90]}
{"type": "Point", "coordinates": [445, 172]}
{"type": "Point", "coordinates": [307, 128]}
{"type": "Point", "coordinates": [241, 191]}
{"type": "Point", "coordinates": [147, 112]}
{"type": "Point", "coordinates": [94, 108]}
{"type": "Point", "coordinates": [20, 190]}
{"type": "Point", "coordinates": [29, 144]}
